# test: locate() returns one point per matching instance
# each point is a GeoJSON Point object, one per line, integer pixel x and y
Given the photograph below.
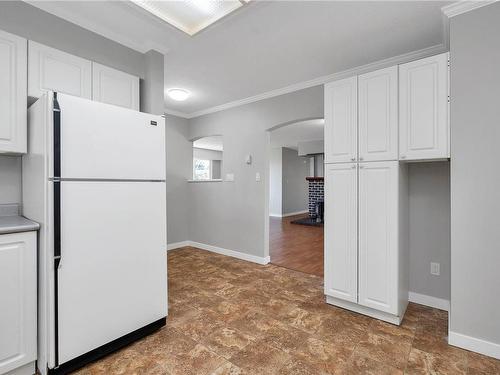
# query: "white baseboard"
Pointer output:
{"type": "Point", "coordinates": [231, 253]}
{"type": "Point", "coordinates": [295, 213]}
{"type": "Point", "coordinates": [176, 245]}
{"type": "Point", "coordinates": [386, 317]}
{"type": "Point", "coordinates": [422, 299]}
{"type": "Point", "coordinates": [488, 348]}
{"type": "Point", "coordinates": [220, 250]}
{"type": "Point", "coordinates": [290, 213]}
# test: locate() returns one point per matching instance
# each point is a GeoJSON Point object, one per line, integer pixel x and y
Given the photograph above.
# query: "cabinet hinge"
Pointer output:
{"type": "Point", "coordinates": [448, 98]}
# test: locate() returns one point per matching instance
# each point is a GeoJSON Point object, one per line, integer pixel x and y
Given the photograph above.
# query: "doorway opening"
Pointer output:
{"type": "Point", "coordinates": [296, 196]}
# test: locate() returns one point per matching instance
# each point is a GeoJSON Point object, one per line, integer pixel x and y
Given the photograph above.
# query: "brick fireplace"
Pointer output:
{"type": "Point", "coordinates": [316, 193]}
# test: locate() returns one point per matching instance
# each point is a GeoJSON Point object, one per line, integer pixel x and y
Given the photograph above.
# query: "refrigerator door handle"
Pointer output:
{"type": "Point", "coordinates": [57, 219]}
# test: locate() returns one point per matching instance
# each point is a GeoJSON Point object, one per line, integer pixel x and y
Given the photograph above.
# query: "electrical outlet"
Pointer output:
{"type": "Point", "coordinates": [435, 269]}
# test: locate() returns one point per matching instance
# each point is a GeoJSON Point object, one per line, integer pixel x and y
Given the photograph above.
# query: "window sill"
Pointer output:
{"type": "Point", "coordinates": [213, 180]}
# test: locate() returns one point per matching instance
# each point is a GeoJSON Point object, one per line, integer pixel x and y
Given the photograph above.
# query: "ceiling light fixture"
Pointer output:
{"type": "Point", "coordinates": [178, 94]}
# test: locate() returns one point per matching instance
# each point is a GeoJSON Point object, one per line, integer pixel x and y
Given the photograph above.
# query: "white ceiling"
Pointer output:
{"type": "Point", "coordinates": [266, 45]}
{"type": "Point", "coordinates": [210, 143]}
{"type": "Point", "coordinates": [290, 135]}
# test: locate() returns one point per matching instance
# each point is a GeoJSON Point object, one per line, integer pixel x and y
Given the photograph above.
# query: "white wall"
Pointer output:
{"type": "Point", "coordinates": [475, 178]}
{"type": "Point", "coordinates": [275, 182]}
{"type": "Point", "coordinates": [295, 185]}
{"type": "Point", "coordinates": [179, 170]}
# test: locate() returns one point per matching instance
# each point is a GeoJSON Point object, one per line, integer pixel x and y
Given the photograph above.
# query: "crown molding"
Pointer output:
{"type": "Point", "coordinates": [400, 59]}
{"type": "Point", "coordinates": [461, 7]}
{"type": "Point", "coordinates": [175, 113]}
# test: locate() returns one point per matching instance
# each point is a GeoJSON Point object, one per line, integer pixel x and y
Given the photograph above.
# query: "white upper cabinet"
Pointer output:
{"type": "Point", "coordinates": [114, 87]}
{"type": "Point", "coordinates": [378, 115]}
{"type": "Point", "coordinates": [341, 125]}
{"type": "Point", "coordinates": [423, 109]}
{"type": "Point", "coordinates": [341, 237]}
{"type": "Point", "coordinates": [18, 288]}
{"type": "Point", "coordinates": [378, 236]}
{"type": "Point", "coordinates": [51, 69]}
{"type": "Point", "coordinates": [13, 103]}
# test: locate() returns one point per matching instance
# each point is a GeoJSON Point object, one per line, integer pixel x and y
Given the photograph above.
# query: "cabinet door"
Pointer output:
{"type": "Point", "coordinates": [423, 105]}
{"type": "Point", "coordinates": [378, 115]}
{"type": "Point", "coordinates": [51, 69]}
{"type": "Point", "coordinates": [341, 120]}
{"type": "Point", "coordinates": [18, 290]}
{"type": "Point", "coordinates": [114, 87]}
{"type": "Point", "coordinates": [13, 104]}
{"type": "Point", "coordinates": [378, 235]}
{"type": "Point", "coordinates": [341, 257]}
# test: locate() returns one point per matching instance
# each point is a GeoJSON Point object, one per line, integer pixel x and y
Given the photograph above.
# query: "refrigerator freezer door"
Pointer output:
{"type": "Point", "coordinates": [113, 271]}
{"type": "Point", "coordinates": [102, 141]}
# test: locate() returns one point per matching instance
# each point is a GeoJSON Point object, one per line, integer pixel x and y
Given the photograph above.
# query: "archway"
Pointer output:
{"type": "Point", "coordinates": [295, 199]}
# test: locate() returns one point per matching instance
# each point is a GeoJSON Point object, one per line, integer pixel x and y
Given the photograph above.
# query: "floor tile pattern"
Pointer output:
{"type": "Point", "coordinates": [230, 317]}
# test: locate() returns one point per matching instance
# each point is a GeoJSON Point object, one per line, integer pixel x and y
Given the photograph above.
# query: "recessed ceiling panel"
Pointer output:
{"type": "Point", "coordinates": [190, 16]}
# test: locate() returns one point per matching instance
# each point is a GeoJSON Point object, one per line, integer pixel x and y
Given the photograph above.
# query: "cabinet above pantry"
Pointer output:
{"type": "Point", "coordinates": [396, 113]}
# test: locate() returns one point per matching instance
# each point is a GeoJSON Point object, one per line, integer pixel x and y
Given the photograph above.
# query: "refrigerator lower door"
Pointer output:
{"type": "Point", "coordinates": [113, 270]}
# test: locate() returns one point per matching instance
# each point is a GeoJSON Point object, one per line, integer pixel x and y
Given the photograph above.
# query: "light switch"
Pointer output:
{"type": "Point", "coordinates": [257, 176]}
{"type": "Point", "coordinates": [229, 176]}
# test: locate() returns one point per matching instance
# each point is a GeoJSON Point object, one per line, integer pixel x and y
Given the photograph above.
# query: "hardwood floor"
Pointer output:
{"type": "Point", "coordinates": [297, 247]}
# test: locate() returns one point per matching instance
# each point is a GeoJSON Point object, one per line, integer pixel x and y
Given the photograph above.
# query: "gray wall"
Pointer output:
{"type": "Point", "coordinates": [10, 179]}
{"type": "Point", "coordinates": [20, 18]}
{"type": "Point", "coordinates": [232, 215]}
{"type": "Point", "coordinates": [202, 153]}
{"type": "Point", "coordinates": [311, 147]}
{"type": "Point", "coordinates": [295, 186]}
{"type": "Point", "coordinates": [275, 182]}
{"type": "Point", "coordinates": [429, 195]}
{"type": "Point", "coordinates": [179, 170]}
{"type": "Point", "coordinates": [475, 178]}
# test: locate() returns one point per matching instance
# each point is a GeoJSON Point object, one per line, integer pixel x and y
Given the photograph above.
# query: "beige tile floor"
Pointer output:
{"type": "Point", "coordinates": [228, 316]}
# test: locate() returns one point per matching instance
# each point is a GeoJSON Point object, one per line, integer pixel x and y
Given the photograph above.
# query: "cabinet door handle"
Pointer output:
{"type": "Point", "coordinates": [361, 158]}
{"type": "Point", "coordinates": [353, 159]}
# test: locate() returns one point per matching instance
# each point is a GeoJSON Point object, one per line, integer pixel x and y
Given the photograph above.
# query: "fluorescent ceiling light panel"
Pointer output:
{"type": "Point", "coordinates": [190, 16]}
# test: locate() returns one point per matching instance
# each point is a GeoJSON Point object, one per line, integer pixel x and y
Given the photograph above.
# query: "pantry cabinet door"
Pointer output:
{"type": "Point", "coordinates": [423, 99]}
{"type": "Point", "coordinates": [341, 207]}
{"type": "Point", "coordinates": [112, 86]}
{"type": "Point", "coordinates": [378, 235]}
{"type": "Point", "coordinates": [54, 70]}
{"type": "Point", "coordinates": [13, 103]}
{"type": "Point", "coordinates": [341, 120]}
{"type": "Point", "coordinates": [378, 115]}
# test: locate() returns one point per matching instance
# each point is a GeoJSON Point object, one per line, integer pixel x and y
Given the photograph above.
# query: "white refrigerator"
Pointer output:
{"type": "Point", "coordinates": [94, 178]}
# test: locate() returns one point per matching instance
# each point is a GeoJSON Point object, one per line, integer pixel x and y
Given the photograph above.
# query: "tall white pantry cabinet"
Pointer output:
{"type": "Point", "coordinates": [368, 133]}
